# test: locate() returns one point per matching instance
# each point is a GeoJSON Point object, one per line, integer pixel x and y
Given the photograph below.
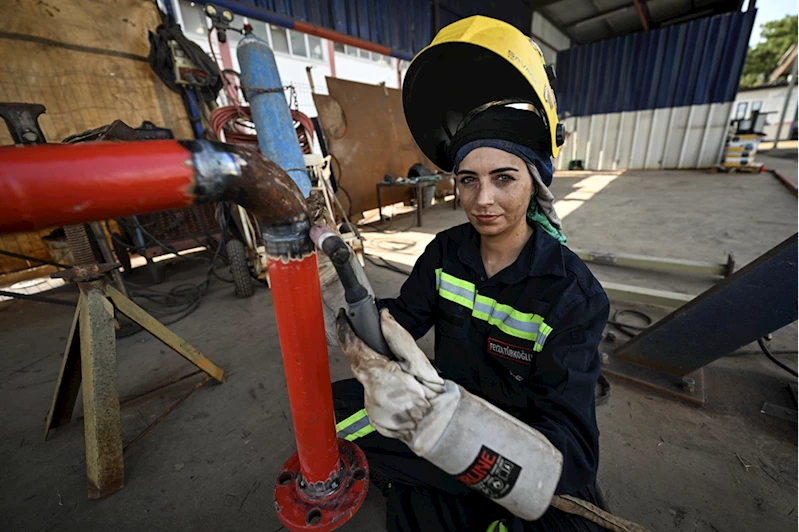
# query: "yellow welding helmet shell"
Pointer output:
{"type": "Point", "coordinates": [470, 63]}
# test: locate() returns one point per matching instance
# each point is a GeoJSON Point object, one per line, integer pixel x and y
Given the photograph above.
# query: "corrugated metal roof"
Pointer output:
{"type": "Point", "coordinates": [407, 25]}
{"type": "Point", "coordinates": [587, 21]}
{"type": "Point", "coordinates": [687, 64]}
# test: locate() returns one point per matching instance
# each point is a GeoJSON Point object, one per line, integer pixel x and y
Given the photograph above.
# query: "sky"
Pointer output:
{"type": "Point", "coordinates": [768, 10]}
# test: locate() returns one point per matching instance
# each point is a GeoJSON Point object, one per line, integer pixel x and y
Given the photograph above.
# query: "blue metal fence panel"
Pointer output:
{"type": "Point", "coordinates": [404, 25]}
{"type": "Point", "coordinates": [698, 62]}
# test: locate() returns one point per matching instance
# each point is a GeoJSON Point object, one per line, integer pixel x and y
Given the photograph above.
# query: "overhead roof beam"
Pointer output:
{"type": "Point", "coordinates": [600, 16]}
{"type": "Point", "coordinates": [640, 6]}
{"type": "Point", "coordinates": [537, 5]}
{"type": "Point", "coordinates": [610, 26]}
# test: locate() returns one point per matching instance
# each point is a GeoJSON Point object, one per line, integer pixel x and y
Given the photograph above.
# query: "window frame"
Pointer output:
{"type": "Point", "coordinates": [291, 53]}
{"type": "Point", "coordinates": [741, 115]}
{"type": "Point", "coordinates": [384, 60]}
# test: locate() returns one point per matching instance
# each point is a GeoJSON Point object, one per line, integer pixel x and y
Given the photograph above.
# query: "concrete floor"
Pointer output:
{"type": "Point", "coordinates": [210, 465]}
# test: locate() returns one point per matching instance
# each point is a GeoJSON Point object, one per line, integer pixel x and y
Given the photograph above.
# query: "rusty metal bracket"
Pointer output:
{"type": "Point", "coordinates": [22, 120]}
{"type": "Point", "coordinates": [82, 273]}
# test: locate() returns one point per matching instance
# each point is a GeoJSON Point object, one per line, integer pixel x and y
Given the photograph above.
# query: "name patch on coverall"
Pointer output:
{"type": "Point", "coordinates": [491, 474]}
{"type": "Point", "coordinates": [510, 351]}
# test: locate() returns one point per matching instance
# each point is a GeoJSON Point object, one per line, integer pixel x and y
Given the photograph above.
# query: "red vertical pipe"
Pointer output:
{"type": "Point", "coordinates": [331, 52]}
{"type": "Point", "coordinates": [297, 298]}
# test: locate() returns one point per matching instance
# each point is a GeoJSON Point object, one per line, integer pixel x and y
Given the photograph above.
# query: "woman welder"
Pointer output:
{"type": "Point", "coordinates": [507, 416]}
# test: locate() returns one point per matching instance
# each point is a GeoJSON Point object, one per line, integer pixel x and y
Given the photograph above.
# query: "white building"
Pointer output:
{"type": "Point", "coordinates": [769, 100]}
{"type": "Point", "coordinates": [294, 51]}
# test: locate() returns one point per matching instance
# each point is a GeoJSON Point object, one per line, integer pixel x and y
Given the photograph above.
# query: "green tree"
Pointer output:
{"type": "Point", "coordinates": [762, 59]}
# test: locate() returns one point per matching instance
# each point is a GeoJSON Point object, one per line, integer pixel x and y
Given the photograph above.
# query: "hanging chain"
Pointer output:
{"type": "Point", "coordinates": [293, 102]}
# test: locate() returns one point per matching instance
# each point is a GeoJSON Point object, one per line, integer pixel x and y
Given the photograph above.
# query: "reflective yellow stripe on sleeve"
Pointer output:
{"type": "Point", "coordinates": [354, 427]}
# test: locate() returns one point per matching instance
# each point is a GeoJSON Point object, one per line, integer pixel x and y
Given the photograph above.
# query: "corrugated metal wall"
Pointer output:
{"type": "Point", "coordinates": [657, 99]}
{"type": "Point", "coordinates": [400, 24]}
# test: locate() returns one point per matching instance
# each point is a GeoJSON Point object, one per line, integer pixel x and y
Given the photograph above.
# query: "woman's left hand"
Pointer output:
{"type": "Point", "coordinates": [410, 358]}
{"type": "Point", "coordinates": [396, 399]}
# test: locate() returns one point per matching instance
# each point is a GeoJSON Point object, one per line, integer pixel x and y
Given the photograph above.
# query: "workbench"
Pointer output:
{"type": "Point", "coordinates": [418, 187]}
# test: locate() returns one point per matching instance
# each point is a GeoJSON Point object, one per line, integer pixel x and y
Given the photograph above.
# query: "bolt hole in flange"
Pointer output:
{"type": "Point", "coordinates": [358, 474]}
{"type": "Point", "coordinates": [284, 478]}
{"type": "Point", "coordinates": [313, 517]}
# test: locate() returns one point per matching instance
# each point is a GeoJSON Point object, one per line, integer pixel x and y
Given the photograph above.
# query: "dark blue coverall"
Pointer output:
{"type": "Point", "coordinates": [525, 340]}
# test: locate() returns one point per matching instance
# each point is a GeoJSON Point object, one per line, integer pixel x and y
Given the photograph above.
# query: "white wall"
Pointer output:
{"type": "Point", "coordinates": [773, 99]}
{"type": "Point", "coordinates": [548, 37]}
{"type": "Point", "coordinates": [366, 71]}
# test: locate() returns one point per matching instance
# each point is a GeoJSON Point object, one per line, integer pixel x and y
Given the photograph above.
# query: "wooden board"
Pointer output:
{"type": "Point", "coordinates": [368, 137]}
{"type": "Point", "coordinates": [85, 61]}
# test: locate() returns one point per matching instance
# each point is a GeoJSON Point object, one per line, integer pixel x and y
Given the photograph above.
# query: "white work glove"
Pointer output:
{"type": "Point", "coordinates": [396, 393]}
{"type": "Point", "coordinates": [484, 447]}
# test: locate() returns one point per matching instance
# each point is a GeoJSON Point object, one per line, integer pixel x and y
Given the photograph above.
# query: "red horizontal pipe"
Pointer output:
{"type": "Point", "coordinates": [61, 184]}
{"type": "Point", "coordinates": [297, 297]}
{"type": "Point", "coordinates": [343, 38]}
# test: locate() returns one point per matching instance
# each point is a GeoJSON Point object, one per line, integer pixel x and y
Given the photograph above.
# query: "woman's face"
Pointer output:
{"type": "Point", "coordinates": [495, 188]}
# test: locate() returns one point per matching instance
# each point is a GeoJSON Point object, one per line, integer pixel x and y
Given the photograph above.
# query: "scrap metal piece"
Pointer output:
{"type": "Point", "coordinates": [787, 414]}
{"type": "Point", "coordinates": [656, 263]}
{"type": "Point", "coordinates": [368, 137]}
{"type": "Point", "coordinates": [22, 120]}
{"type": "Point", "coordinates": [85, 273]}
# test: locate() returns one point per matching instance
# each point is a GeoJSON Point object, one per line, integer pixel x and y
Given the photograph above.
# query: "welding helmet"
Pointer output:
{"type": "Point", "coordinates": [473, 64]}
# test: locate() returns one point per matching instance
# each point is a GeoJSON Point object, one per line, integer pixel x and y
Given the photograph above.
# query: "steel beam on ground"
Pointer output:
{"type": "Point", "coordinates": [751, 303]}
{"type": "Point", "coordinates": [657, 263]}
{"type": "Point", "coordinates": [648, 296]}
